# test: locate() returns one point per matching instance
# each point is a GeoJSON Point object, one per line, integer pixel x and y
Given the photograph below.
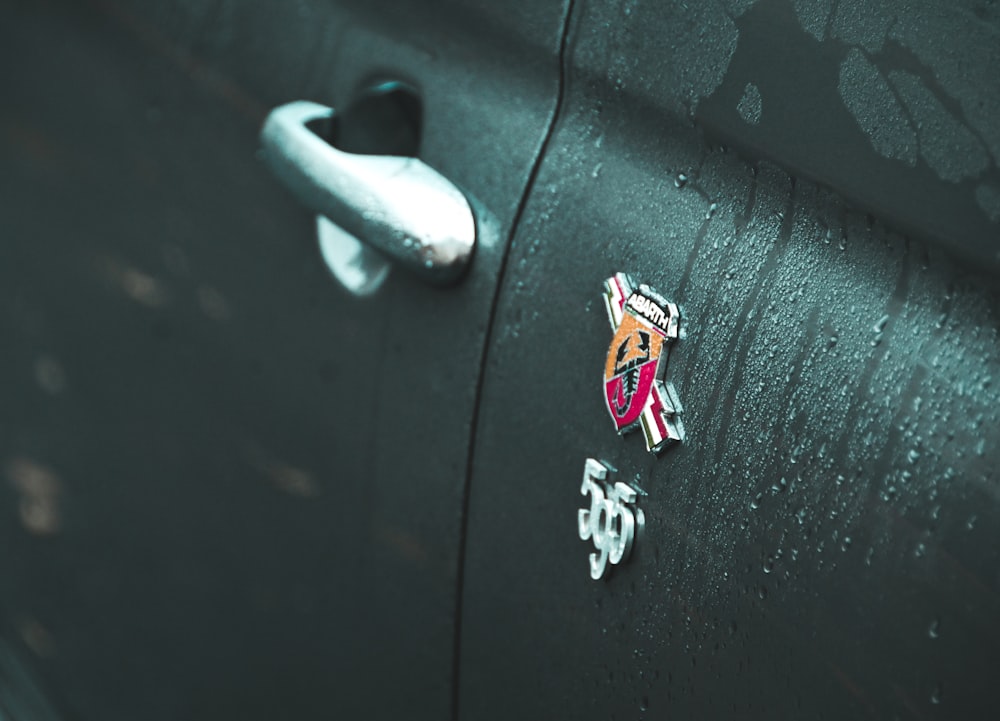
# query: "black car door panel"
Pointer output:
{"type": "Point", "coordinates": [823, 543]}
{"type": "Point", "coordinates": [232, 489]}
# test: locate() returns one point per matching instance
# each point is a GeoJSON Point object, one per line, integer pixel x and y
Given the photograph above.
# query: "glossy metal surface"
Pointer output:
{"type": "Point", "coordinates": [401, 206]}
{"type": "Point", "coordinates": [361, 270]}
{"type": "Point", "coordinates": [612, 522]}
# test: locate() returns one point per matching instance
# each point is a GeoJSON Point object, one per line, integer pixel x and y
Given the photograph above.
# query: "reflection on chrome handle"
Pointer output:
{"type": "Point", "coordinates": [399, 206]}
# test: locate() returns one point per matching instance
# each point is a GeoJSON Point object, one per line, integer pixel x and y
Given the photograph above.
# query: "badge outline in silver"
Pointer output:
{"type": "Point", "coordinates": [660, 417]}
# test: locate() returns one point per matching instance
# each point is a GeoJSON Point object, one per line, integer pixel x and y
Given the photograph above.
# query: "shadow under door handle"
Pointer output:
{"type": "Point", "coordinates": [400, 206]}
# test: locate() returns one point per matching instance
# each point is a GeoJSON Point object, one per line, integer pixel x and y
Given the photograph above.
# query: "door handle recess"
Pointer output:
{"type": "Point", "coordinates": [400, 206]}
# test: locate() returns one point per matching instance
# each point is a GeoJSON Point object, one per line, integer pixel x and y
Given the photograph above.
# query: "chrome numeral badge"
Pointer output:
{"type": "Point", "coordinates": [644, 324]}
{"type": "Point", "coordinates": [612, 521]}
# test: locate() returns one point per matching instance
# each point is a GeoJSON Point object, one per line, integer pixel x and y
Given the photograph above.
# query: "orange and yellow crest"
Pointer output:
{"type": "Point", "coordinates": [634, 390]}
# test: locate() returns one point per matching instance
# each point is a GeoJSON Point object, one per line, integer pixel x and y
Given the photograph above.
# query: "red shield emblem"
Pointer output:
{"type": "Point", "coordinates": [634, 390]}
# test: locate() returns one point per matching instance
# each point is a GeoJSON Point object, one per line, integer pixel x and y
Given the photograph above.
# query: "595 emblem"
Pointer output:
{"type": "Point", "coordinates": [634, 390]}
{"type": "Point", "coordinates": [612, 521]}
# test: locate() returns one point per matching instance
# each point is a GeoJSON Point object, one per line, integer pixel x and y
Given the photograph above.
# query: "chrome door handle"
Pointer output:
{"type": "Point", "coordinates": [400, 206]}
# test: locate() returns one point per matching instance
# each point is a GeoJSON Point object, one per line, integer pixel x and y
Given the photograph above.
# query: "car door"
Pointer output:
{"type": "Point", "coordinates": [814, 185]}
{"type": "Point", "coordinates": [232, 488]}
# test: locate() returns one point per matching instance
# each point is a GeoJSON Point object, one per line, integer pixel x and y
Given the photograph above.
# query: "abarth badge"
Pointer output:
{"type": "Point", "coordinates": [644, 324]}
{"type": "Point", "coordinates": [612, 521]}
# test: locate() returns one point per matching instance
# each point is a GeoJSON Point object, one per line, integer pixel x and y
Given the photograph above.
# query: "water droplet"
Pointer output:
{"type": "Point", "coordinates": [681, 180]}
{"type": "Point", "coordinates": [935, 628]}
{"type": "Point", "coordinates": [751, 105]}
{"type": "Point", "coordinates": [644, 703]}
{"type": "Point", "coordinates": [936, 694]}
{"type": "Point", "coordinates": [913, 456]}
{"type": "Point", "coordinates": [846, 543]}
{"type": "Point", "coordinates": [880, 324]}
{"type": "Point", "coordinates": [50, 375]}
{"type": "Point", "coordinates": [762, 592]}
{"type": "Point", "coordinates": [971, 523]}
{"type": "Point", "coordinates": [920, 551]}
{"type": "Point", "coordinates": [768, 564]}
{"type": "Point", "coordinates": [711, 210]}
{"type": "Point", "coordinates": [597, 170]}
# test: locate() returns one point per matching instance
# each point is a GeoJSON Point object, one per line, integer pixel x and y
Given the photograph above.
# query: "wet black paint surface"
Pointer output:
{"type": "Point", "coordinates": [824, 542]}
{"type": "Point", "coordinates": [230, 490]}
